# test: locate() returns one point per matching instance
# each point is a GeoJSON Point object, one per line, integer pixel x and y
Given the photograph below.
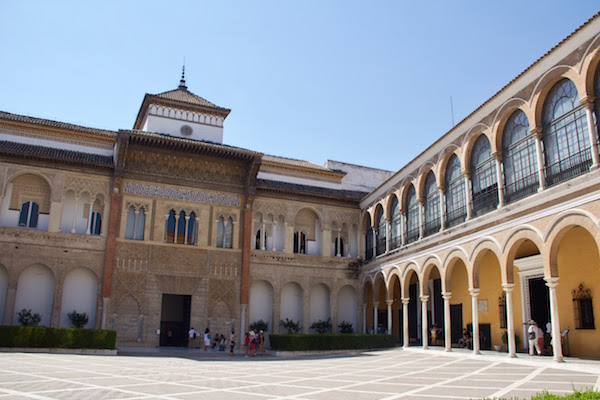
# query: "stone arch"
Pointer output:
{"type": "Point", "coordinates": [557, 229]}
{"type": "Point", "coordinates": [319, 303]}
{"type": "Point", "coordinates": [79, 293]}
{"type": "Point", "coordinates": [35, 291]}
{"type": "Point", "coordinates": [449, 262]}
{"type": "Point", "coordinates": [504, 113]}
{"type": "Point", "coordinates": [292, 300]}
{"type": "Point", "coordinates": [424, 173]}
{"type": "Point", "coordinates": [347, 304]}
{"type": "Point", "coordinates": [482, 246]}
{"type": "Point", "coordinates": [545, 83]}
{"type": "Point", "coordinates": [515, 238]}
{"type": "Point", "coordinates": [429, 264]}
{"type": "Point", "coordinates": [589, 66]}
{"type": "Point", "coordinates": [448, 152]}
{"type": "Point", "coordinates": [468, 148]}
{"type": "Point", "coordinates": [261, 302]}
{"type": "Point", "coordinates": [410, 268]}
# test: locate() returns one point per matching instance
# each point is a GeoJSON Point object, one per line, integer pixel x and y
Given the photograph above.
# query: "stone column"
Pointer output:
{"type": "Point", "coordinates": [475, 311]}
{"type": "Point", "coordinates": [447, 321]}
{"type": "Point", "coordinates": [442, 208]}
{"type": "Point", "coordinates": [245, 267]}
{"type": "Point", "coordinates": [76, 211]}
{"type": "Point", "coordinates": [374, 241]}
{"type": "Point", "coordinates": [388, 231]}
{"type": "Point", "coordinates": [185, 236]}
{"type": "Point", "coordinates": [424, 324]}
{"type": "Point", "coordinates": [389, 315]}
{"type": "Point", "coordinates": [375, 317]}
{"type": "Point", "coordinates": [499, 177]}
{"type": "Point", "coordinates": [338, 253]}
{"type": "Point", "coordinates": [263, 237]}
{"type": "Point", "coordinates": [537, 134]}
{"type": "Point", "coordinates": [556, 333]}
{"type": "Point", "coordinates": [288, 246]}
{"type": "Point", "coordinates": [510, 326]}
{"type": "Point", "coordinates": [467, 193]}
{"type": "Point", "coordinates": [405, 338]}
{"type": "Point", "coordinates": [325, 242]}
{"type": "Point", "coordinates": [274, 235]}
{"type": "Point", "coordinates": [421, 218]}
{"type": "Point", "coordinates": [243, 324]}
{"type": "Point", "coordinates": [588, 103]}
{"type": "Point", "coordinates": [364, 318]}
{"type": "Point", "coordinates": [88, 228]}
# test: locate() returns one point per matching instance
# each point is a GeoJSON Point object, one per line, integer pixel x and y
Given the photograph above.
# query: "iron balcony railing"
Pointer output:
{"type": "Point", "coordinates": [485, 201]}
{"type": "Point", "coordinates": [412, 235]}
{"type": "Point", "coordinates": [395, 242]}
{"type": "Point", "coordinates": [380, 246]}
{"type": "Point", "coordinates": [456, 216]}
{"type": "Point", "coordinates": [431, 227]}
{"type": "Point", "coordinates": [521, 188]}
{"type": "Point", "coordinates": [570, 167]}
{"type": "Point", "coordinates": [369, 253]}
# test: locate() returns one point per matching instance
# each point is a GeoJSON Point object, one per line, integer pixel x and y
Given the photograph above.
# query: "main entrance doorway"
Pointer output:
{"type": "Point", "coordinates": [539, 301]}
{"type": "Point", "coordinates": [175, 319]}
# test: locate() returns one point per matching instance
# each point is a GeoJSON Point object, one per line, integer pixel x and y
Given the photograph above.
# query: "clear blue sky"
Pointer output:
{"type": "Point", "coordinates": [362, 82]}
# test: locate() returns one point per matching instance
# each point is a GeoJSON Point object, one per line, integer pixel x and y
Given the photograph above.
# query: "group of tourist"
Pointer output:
{"type": "Point", "coordinates": [219, 341]}
{"type": "Point", "coordinates": [252, 341]}
{"type": "Point", "coordinates": [539, 341]}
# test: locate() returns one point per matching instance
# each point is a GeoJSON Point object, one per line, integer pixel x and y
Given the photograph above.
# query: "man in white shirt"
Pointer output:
{"type": "Point", "coordinates": [191, 338]}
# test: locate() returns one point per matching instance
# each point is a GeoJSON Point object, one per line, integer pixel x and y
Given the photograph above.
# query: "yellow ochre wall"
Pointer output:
{"type": "Point", "coordinates": [578, 262]}
{"type": "Point", "coordinates": [490, 284]}
{"type": "Point", "coordinates": [459, 286]}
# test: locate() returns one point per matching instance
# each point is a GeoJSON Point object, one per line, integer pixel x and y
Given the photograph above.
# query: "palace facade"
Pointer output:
{"type": "Point", "coordinates": [163, 227]}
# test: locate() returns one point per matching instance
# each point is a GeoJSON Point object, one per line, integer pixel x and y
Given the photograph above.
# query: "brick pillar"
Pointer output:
{"type": "Point", "coordinates": [246, 246]}
{"type": "Point", "coordinates": [109, 260]}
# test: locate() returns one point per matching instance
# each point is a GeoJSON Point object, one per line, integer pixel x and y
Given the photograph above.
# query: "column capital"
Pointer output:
{"type": "Point", "coordinates": [497, 155]}
{"type": "Point", "coordinates": [588, 102]}
{"type": "Point", "coordinates": [446, 295]}
{"type": "Point", "coordinates": [537, 132]}
{"type": "Point", "coordinates": [508, 287]}
{"type": "Point", "coordinates": [405, 301]}
{"type": "Point", "coordinates": [375, 303]}
{"type": "Point", "coordinates": [389, 302]}
{"type": "Point", "coordinates": [551, 282]}
{"type": "Point", "coordinates": [424, 299]}
{"type": "Point", "coordinates": [474, 292]}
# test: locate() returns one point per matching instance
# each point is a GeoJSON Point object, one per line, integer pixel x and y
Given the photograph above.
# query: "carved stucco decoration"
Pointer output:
{"type": "Point", "coordinates": [182, 194]}
{"type": "Point", "coordinates": [177, 284]}
{"type": "Point", "coordinates": [80, 185]}
{"type": "Point", "coordinates": [221, 291]}
{"type": "Point", "coordinates": [130, 284]}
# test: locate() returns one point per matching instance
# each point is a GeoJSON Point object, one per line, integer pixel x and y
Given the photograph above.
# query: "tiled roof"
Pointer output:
{"type": "Point", "coordinates": [185, 96]}
{"type": "Point", "coordinates": [55, 124]}
{"type": "Point", "coordinates": [42, 152]}
{"type": "Point", "coordinates": [310, 190]}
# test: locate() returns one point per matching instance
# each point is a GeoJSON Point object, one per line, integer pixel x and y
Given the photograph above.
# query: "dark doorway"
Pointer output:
{"type": "Point", "coordinates": [413, 313]}
{"type": "Point", "coordinates": [438, 303]}
{"type": "Point", "coordinates": [539, 301]}
{"type": "Point", "coordinates": [456, 322]}
{"type": "Point", "coordinates": [382, 321]}
{"type": "Point", "coordinates": [175, 319]}
{"type": "Point", "coordinates": [400, 327]}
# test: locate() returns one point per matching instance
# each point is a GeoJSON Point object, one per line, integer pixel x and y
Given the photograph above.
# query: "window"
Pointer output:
{"type": "Point", "coordinates": [181, 222]}
{"type": "Point", "coordinates": [456, 206]}
{"type": "Point", "coordinates": [433, 221]}
{"type": "Point", "coordinates": [597, 102]}
{"type": "Point", "coordinates": [368, 239]}
{"type": "Point", "coordinates": [412, 216]}
{"type": "Point", "coordinates": [565, 134]}
{"type": "Point", "coordinates": [395, 238]}
{"type": "Point", "coordinates": [192, 229]}
{"type": "Point", "coordinates": [300, 243]}
{"type": "Point", "coordinates": [170, 228]}
{"type": "Point", "coordinates": [339, 246]}
{"type": "Point", "coordinates": [582, 308]}
{"type": "Point", "coordinates": [29, 214]}
{"type": "Point", "coordinates": [257, 240]}
{"type": "Point", "coordinates": [483, 177]}
{"type": "Point", "coordinates": [225, 233]}
{"type": "Point", "coordinates": [95, 223]}
{"type": "Point", "coordinates": [381, 231]}
{"type": "Point", "coordinates": [519, 158]}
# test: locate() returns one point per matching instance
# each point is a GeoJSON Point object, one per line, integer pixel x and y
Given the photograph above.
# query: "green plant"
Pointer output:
{"type": "Point", "coordinates": [78, 320]}
{"type": "Point", "coordinates": [27, 318]}
{"type": "Point", "coordinates": [505, 338]}
{"type": "Point", "coordinates": [290, 326]}
{"type": "Point", "coordinates": [321, 326]}
{"type": "Point", "coordinates": [64, 338]}
{"type": "Point", "coordinates": [346, 327]}
{"type": "Point", "coordinates": [259, 325]}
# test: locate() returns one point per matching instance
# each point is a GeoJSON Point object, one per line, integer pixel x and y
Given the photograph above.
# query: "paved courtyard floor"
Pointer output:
{"type": "Point", "coordinates": [389, 374]}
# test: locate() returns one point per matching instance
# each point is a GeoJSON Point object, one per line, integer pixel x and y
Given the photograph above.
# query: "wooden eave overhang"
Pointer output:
{"type": "Point", "coordinates": [23, 151]}
{"type": "Point", "coordinates": [313, 191]}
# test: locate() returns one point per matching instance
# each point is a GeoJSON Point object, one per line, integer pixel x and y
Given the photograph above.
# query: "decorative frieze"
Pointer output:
{"type": "Point", "coordinates": [181, 194]}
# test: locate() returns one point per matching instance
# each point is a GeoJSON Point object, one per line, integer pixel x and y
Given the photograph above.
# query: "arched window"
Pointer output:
{"type": "Point", "coordinates": [181, 222]}
{"type": "Point", "coordinates": [136, 221]}
{"type": "Point", "coordinates": [565, 134]}
{"type": "Point", "coordinates": [519, 158]}
{"type": "Point", "coordinates": [412, 216]}
{"type": "Point", "coordinates": [369, 239]}
{"type": "Point", "coordinates": [130, 225]}
{"type": "Point", "coordinates": [456, 206]}
{"type": "Point", "coordinates": [381, 231]}
{"type": "Point", "coordinates": [192, 227]}
{"type": "Point", "coordinates": [257, 240]}
{"type": "Point", "coordinates": [433, 221]}
{"type": "Point", "coordinates": [300, 243]}
{"type": "Point", "coordinates": [339, 246]}
{"type": "Point", "coordinates": [395, 238]}
{"type": "Point", "coordinates": [225, 233]}
{"type": "Point", "coordinates": [29, 214]}
{"type": "Point", "coordinates": [484, 183]}
{"type": "Point", "coordinates": [171, 224]}
{"type": "Point", "coordinates": [95, 223]}
{"type": "Point", "coordinates": [597, 102]}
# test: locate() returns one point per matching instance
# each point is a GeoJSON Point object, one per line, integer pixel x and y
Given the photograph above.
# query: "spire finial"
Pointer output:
{"type": "Point", "coordinates": [182, 81]}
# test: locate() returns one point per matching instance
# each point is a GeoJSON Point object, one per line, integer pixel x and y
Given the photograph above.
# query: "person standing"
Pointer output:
{"type": "Point", "coordinates": [532, 337]}
{"type": "Point", "coordinates": [191, 337]}
{"type": "Point", "coordinates": [252, 343]}
{"type": "Point", "coordinates": [261, 343]}
{"type": "Point", "coordinates": [231, 342]}
{"type": "Point", "coordinates": [206, 339]}
{"type": "Point", "coordinates": [539, 335]}
{"type": "Point", "coordinates": [246, 344]}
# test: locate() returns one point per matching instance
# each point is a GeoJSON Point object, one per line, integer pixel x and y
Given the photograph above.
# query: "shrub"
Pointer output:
{"type": "Point", "coordinates": [259, 325]}
{"type": "Point", "coordinates": [64, 338]}
{"type": "Point", "coordinates": [321, 326]}
{"type": "Point", "coordinates": [290, 326]}
{"type": "Point", "coordinates": [78, 320]}
{"type": "Point", "coordinates": [27, 318]}
{"type": "Point", "coordinates": [346, 327]}
{"type": "Point", "coordinates": [331, 341]}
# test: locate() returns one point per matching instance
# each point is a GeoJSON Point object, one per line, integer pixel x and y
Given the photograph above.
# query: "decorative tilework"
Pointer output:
{"type": "Point", "coordinates": [179, 194]}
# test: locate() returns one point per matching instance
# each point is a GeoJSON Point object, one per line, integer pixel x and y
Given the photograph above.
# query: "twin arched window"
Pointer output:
{"type": "Point", "coordinates": [181, 229]}
{"type": "Point", "coordinates": [136, 221]}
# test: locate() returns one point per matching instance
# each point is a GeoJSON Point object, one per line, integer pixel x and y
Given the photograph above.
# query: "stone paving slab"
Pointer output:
{"type": "Point", "coordinates": [379, 375]}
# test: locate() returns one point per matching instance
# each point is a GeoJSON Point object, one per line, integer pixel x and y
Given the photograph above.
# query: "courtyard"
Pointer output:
{"type": "Point", "coordinates": [193, 374]}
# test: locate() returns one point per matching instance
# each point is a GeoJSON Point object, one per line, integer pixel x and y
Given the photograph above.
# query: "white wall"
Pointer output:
{"type": "Point", "coordinates": [172, 127]}
{"type": "Point", "coordinates": [261, 303]}
{"type": "Point", "coordinates": [291, 302]}
{"type": "Point", "coordinates": [347, 306]}
{"type": "Point", "coordinates": [3, 290]}
{"type": "Point", "coordinates": [319, 303]}
{"type": "Point", "coordinates": [35, 291]}
{"type": "Point", "coordinates": [11, 217]}
{"type": "Point", "coordinates": [80, 293]}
